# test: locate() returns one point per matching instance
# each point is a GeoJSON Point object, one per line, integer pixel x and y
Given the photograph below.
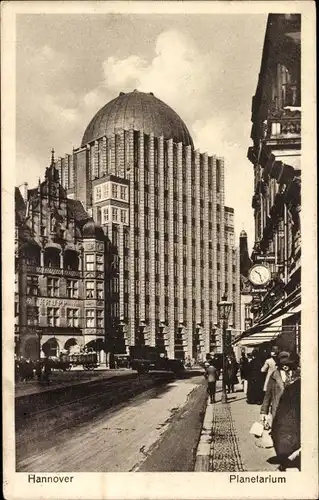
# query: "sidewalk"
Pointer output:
{"type": "Point", "coordinates": [225, 444]}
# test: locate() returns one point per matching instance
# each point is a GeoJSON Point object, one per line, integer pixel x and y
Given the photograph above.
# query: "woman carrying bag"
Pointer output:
{"type": "Point", "coordinates": [282, 399]}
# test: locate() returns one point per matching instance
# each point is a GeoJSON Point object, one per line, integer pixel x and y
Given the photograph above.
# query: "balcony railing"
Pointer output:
{"type": "Point", "coordinates": [57, 271]}
{"type": "Point", "coordinates": [284, 128]}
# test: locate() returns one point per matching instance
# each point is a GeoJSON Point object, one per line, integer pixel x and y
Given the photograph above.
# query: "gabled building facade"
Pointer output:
{"type": "Point", "coordinates": [62, 264]}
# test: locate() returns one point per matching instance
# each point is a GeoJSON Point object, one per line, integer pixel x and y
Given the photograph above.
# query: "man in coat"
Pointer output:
{"type": "Point", "coordinates": [282, 398]}
{"type": "Point", "coordinates": [243, 366]}
{"type": "Point", "coordinates": [256, 379]}
{"type": "Point", "coordinates": [212, 376]}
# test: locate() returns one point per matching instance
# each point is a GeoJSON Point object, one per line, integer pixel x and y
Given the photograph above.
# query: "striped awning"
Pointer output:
{"type": "Point", "coordinates": [267, 331]}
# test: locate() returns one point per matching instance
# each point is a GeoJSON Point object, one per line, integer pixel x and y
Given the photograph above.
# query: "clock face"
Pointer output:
{"type": "Point", "coordinates": [259, 274]}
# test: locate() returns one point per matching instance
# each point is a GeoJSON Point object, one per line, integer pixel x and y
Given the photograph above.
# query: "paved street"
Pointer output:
{"type": "Point", "coordinates": [137, 435]}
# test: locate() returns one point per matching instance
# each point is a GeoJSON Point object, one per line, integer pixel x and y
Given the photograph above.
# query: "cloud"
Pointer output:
{"type": "Point", "coordinates": [65, 116]}
{"type": "Point", "coordinates": [127, 72]}
{"type": "Point", "coordinates": [189, 79]}
{"type": "Point", "coordinates": [212, 135]}
{"type": "Point", "coordinates": [28, 163]}
{"type": "Point", "coordinates": [177, 74]}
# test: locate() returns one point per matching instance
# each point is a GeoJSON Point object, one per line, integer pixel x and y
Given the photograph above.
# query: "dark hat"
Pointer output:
{"type": "Point", "coordinates": [285, 358]}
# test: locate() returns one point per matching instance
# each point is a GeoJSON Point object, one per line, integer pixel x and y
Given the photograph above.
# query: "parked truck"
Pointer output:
{"type": "Point", "coordinates": [146, 358]}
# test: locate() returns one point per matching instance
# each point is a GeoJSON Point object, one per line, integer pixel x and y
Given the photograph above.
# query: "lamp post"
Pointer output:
{"type": "Point", "coordinates": [224, 308]}
{"type": "Point", "coordinates": [39, 334]}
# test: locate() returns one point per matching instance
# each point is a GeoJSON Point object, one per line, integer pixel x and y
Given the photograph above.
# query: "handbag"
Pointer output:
{"type": "Point", "coordinates": [257, 429]}
{"type": "Point", "coordinates": [265, 440]}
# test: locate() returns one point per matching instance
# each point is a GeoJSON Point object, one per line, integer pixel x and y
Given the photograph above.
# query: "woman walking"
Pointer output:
{"type": "Point", "coordinates": [270, 365]}
{"type": "Point", "coordinates": [231, 373]}
{"type": "Point", "coordinates": [282, 400]}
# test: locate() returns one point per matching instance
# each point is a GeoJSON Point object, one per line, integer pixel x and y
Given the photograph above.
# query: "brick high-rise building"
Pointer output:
{"type": "Point", "coordinates": [162, 204]}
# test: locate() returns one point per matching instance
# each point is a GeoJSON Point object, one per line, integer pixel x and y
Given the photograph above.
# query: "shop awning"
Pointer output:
{"type": "Point", "coordinates": [266, 331]}
{"type": "Point", "coordinates": [269, 333]}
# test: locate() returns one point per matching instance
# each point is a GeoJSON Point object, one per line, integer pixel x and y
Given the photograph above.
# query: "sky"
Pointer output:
{"type": "Point", "coordinates": [204, 66]}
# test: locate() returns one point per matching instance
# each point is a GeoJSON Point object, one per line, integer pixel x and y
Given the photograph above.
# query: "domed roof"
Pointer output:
{"type": "Point", "coordinates": [139, 111]}
{"type": "Point", "coordinates": [243, 234]}
{"type": "Point", "coordinates": [92, 230]}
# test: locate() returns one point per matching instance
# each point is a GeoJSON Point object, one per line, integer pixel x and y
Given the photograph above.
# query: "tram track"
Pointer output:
{"type": "Point", "coordinates": [38, 429]}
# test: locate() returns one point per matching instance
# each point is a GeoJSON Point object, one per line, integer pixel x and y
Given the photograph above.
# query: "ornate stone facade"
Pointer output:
{"type": "Point", "coordinates": [276, 157]}
{"type": "Point", "coordinates": [61, 267]}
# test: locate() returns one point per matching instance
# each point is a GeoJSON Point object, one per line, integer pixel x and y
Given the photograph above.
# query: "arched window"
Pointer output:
{"type": "Point", "coordinates": [52, 257]}
{"type": "Point", "coordinates": [71, 260]}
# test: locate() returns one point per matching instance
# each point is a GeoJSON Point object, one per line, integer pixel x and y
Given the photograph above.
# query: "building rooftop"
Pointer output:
{"type": "Point", "coordinates": [139, 111]}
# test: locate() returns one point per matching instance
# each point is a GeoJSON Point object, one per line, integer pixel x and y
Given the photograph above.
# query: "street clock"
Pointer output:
{"type": "Point", "coordinates": [259, 275]}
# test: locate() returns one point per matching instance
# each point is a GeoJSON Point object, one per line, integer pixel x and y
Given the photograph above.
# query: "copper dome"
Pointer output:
{"type": "Point", "coordinates": [92, 230]}
{"type": "Point", "coordinates": [139, 111]}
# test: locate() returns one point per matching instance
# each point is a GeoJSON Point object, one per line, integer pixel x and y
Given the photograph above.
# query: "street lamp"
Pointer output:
{"type": "Point", "coordinates": [39, 334]}
{"type": "Point", "coordinates": [224, 308]}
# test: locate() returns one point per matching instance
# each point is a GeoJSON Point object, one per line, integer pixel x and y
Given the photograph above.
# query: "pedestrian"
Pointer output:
{"type": "Point", "coordinates": [23, 369]}
{"type": "Point", "coordinates": [46, 370]}
{"type": "Point", "coordinates": [282, 401]}
{"type": "Point", "coordinates": [231, 373]}
{"type": "Point", "coordinates": [207, 361]}
{"type": "Point", "coordinates": [243, 366]}
{"type": "Point", "coordinates": [38, 370]}
{"type": "Point", "coordinates": [29, 369]}
{"type": "Point", "coordinates": [256, 380]}
{"type": "Point", "coordinates": [17, 364]}
{"type": "Point", "coordinates": [270, 365]}
{"type": "Point", "coordinates": [211, 375]}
